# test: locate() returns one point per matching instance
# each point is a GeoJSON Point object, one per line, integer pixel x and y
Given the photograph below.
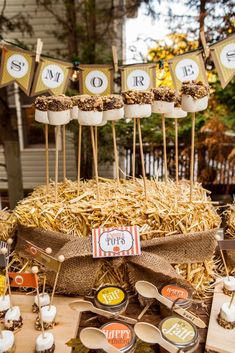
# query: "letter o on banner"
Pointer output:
{"type": "Point", "coordinates": [52, 76]}
{"type": "Point", "coordinates": [138, 80]}
{"type": "Point", "coordinates": [17, 66]}
{"type": "Point", "coordinates": [96, 82]}
{"type": "Point", "coordinates": [227, 56]}
{"type": "Point", "coordinates": [187, 70]}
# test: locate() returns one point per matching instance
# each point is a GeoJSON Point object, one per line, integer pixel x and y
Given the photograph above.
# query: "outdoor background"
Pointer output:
{"type": "Point", "coordinates": [143, 31]}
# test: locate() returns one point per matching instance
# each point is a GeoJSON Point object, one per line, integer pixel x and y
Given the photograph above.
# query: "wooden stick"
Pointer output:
{"type": "Point", "coordinates": [134, 148]}
{"type": "Point", "coordinates": [232, 299]}
{"type": "Point", "coordinates": [96, 142]}
{"type": "Point", "coordinates": [64, 152]}
{"type": "Point", "coordinates": [56, 161]}
{"type": "Point", "coordinates": [95, 162]}
{"type": "Point", "coordinates": [115, 151]}
{"type": "Point", "coordinates": [224, 262]}
{"type": "Point", "coordinates": [144, 310]}
{"type": "Point", "coordinates": [176, 152]}
{"type": "Point", "coordinates": [61, 260]}
{"type": "Point", "coordinates": [35, 272]}
{"type": "Point", "coordinates": [47, 157]}
{"type": "Point", "coordinates": [164, 147]}
{"type": "Point", "coordinates": [44, 284]}
{"type": "Point", "coordinates": [79, 157]}
{"type": "Point", "coordinates": [142, 157]}
{"type": "Point", "coordinates": [192, 157]}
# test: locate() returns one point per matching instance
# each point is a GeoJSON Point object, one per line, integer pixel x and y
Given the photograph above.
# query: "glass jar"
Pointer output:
{"type": "Point", "coordinates": [180, 332]}
{"type": "Point", "coordinates": [111, 298]}
{"type": "Point", "coordinates": [177, 294]}
{"type": "Point", "coordinates": [120, 335]}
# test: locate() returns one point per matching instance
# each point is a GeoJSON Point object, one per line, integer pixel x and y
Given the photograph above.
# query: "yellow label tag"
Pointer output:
{"type": "Point", "coordinates": [111, 296]}
{"type": "Point", "coordinates": [2, 284]}
{"type": "Point", "coordinates": [178, 331]}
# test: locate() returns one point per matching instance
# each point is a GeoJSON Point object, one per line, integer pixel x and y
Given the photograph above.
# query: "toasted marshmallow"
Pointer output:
{"type": "Point", "coordinates": [44, 299]}
{"type": "Point", "coordinates": [137, 110]}
{"type": "Point", "coordinates": [194, 105]}
{"type": "Point", "coordinates": [162, 107]}
{"type": "Point", "coordinates": [59, 117]}
{"type": "Point", "coordinates": [90, 118]}
{"type": "Point", "coordinates": [6, 341]}
{"type": "Point", "coordinates": [227, 313]}
{"type": "Point", "coordinates": [48, 314]}
{"type": "Point", "coordinates": [4, 302]}
{"type": "Point", "coordinates": [41, 116]}
{"type": "Point", "coordinates": [44, 343]}
{"type": "Point", "coordinates": [12, 314]}
{"type": "Point", "coordinates": [113, 114]}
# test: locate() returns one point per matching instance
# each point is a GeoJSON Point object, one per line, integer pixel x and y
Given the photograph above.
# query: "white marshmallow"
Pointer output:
{"type": "Point", "coordinates": [44, 299]}
{"type": "Point", "coordinates": [48, 315]}
{"type": "Point", "coordinates": [227, 313]}
{"type": "Point", "coordinates": [4, 302]}
{"type": "Point", "coordinates": [137, 110]}
{"type": "Point", "coordinates": [162, 107]}
{"type": "Point", "coordinates": [74, 113]}
{"type": "Point", "coordinates": [194, 105]}
{"type": "Point", "coordinates": [12, 314]}
{"type": "Point", "coordinates": [43, 343]}
{"type": "Point", "coordinates": [176, 113]}
{"type": "Point", "coordinates": [41, 116]}
{"type": "Point", "coordinates": [103, 123]}
{"type": "Point", "coordinates": [229, 283]}
{"type": "Point", "coordinates": [89, 118]}
{"type": "Point", "coordinates": [113, 114]}
{"type": "Point", "coordinates": [59, 118]}
{"type": "Point", "coordinates": [6, 341]}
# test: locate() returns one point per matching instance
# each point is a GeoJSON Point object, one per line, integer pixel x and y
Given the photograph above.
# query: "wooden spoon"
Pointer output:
{"type": "Point", "coordinates": [85, 305]}
{"type": "Point", "coordinates": [149, 290]}
{"type": "Point", "coordinates": [94, 338]}
{"type": "Point", "coordinates": [151, 334]}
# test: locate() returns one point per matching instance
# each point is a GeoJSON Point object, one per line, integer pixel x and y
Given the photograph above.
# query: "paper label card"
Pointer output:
{"type": "Point", "coordinates": [111, 242]}
{"type": "Point", "coordinates": [223, 55]}
{"type": "Point", "coordinates": [96, 79]}
{"type": "Point", "coordinates": [138, 77]}
{"type": "Point", "coordinates": [187, 67]}
{"type": "Point", "coordinates": [20, 279]}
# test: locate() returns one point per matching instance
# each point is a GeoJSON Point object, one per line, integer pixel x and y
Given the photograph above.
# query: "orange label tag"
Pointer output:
{"type": "Point", "coordinates": [20, 279]}
{"type": "Point", "coordinates": [173, 292]}
{"type": "Point", "coordinates": [118, 335]}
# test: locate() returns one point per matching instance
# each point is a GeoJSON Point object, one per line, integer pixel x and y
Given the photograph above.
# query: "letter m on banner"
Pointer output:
{"type": "Point", "coordinates": [96, 79]}
{"type": "Point", "coordinates": [51, 76]}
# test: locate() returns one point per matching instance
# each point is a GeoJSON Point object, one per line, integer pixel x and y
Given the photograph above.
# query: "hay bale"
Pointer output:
{"type": "Point", "coordinates": [8, 224]}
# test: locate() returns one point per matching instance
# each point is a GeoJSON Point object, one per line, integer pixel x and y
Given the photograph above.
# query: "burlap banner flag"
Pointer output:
{"type": "Point", "coordinates": [187, 67]}
{"type": "Point", "coordinates": [17, 66]}
{"type": "Point", "coordinates": [96, 79]}
{"type": "Point", "coordinates": [223, 55]}
{"type": "Point", "coordinates": [51, 76]}
{"type": "Point", "coordinates": [138, 77]}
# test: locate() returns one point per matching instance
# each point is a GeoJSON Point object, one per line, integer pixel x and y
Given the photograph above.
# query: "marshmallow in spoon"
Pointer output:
{"type": "Point", "coordinates": [7, 341]}
{"type": "Point", "coordinates": [164, 98]}
{"type": "Point", "coordinates": [13, 319]}
{"type": "Point", "coordinates": [195, 96]}
{"type": "Point", "coordinates": [229, 285]}
{"type": "Point", "coordinates": [137, 104]}
{"type": "Point", "coordinates": [90, 110]}
{"type": "Point", "coordinates": [41, 115]}
{"type": "Point", "coordinates": [45, 343]}
{"type": "Point", "coordinates": [4, 304]}
{"type": "Point", "coordinates": [59, 110]}
{"type": "Point", "coordinates": [113, 108]}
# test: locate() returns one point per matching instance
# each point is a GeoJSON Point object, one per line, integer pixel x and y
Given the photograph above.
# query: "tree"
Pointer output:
{"type": "Point", "coordinates": [8, 122]}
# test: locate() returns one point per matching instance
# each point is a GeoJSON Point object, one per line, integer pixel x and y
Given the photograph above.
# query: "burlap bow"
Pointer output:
{"type": "Point", "coordinates": [79, 270]}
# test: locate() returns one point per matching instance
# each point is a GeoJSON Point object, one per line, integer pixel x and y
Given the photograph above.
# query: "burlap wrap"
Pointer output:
{"type": "Point", "coordinates": [79, 270]}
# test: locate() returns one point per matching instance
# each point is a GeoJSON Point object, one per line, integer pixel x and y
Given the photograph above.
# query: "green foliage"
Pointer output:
{"type": "Point", "coordinates": [77, 346]}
